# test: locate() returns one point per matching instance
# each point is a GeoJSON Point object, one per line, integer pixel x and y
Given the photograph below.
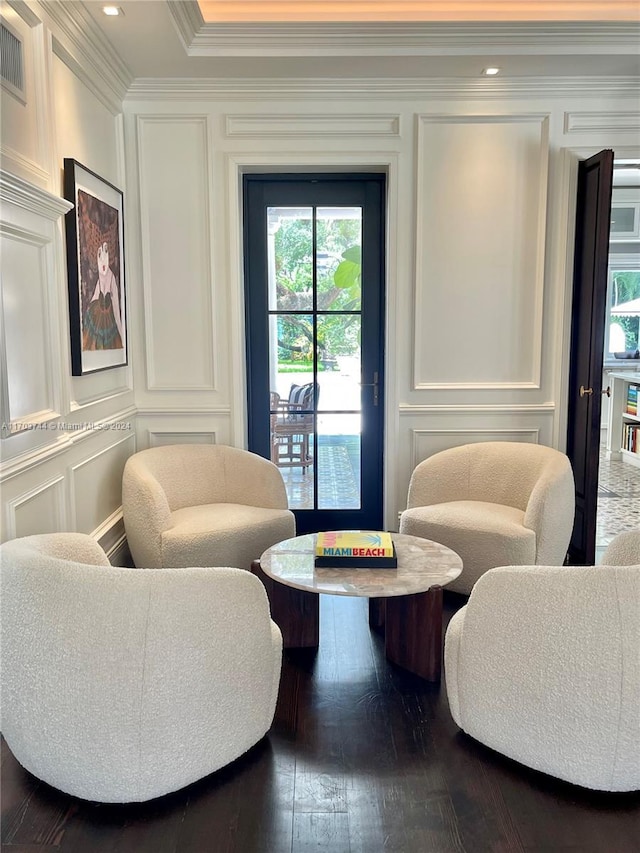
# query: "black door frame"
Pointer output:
{"type": "Point", "coordinates": [373, 198]}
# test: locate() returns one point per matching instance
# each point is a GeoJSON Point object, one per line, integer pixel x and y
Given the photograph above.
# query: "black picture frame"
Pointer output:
{"type": "Point", "coordinates": [95, 271]}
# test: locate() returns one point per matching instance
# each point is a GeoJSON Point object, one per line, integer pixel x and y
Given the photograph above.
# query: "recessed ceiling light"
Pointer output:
{"type": "Point", "coordinates": [112, 11]}
{"type": "Point", "coordinates": [491, 72]}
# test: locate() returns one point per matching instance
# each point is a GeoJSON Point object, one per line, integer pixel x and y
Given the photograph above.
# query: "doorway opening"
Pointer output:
{"type": "Point", "coordinates": [618, 507]}
{"type": "Point", "coordinates": [314, 296]}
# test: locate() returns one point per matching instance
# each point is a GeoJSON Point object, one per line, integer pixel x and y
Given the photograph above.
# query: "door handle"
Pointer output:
{"type": "Point", "coordinates": [584, 391]}
{"type": "Point", "coordinates": [607, 391]}
{"type": "Point", "coordinates": [373, 385]}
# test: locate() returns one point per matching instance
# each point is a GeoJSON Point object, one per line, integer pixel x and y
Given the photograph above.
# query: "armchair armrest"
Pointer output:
{"type": "Point", "coordinates": [550, 511]}
{"type": "Point", "coordinates": [147, 514]}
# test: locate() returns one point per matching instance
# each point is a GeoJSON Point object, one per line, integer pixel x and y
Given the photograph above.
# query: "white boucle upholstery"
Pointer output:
{"type": "Point", "coordinates": [121, 685]}
{"type": "Point", "coordinates": [494, 503]}
{"type": "Point", "coordinates": [543, 665]}
{"type": "Point", "coordinates": [624, 550]}
{"type": "Point", "coordinates": [202, 505]}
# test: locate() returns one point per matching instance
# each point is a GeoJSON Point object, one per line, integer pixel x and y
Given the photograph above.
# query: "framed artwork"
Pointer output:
{"type": "Point", "coordinates": [95, 271]}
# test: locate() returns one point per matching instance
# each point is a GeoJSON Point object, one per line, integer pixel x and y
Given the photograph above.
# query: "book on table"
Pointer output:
{"type": "Point", "coordinates": [355, 550]}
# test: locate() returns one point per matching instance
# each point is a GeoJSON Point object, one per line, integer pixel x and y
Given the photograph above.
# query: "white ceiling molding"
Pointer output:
{"type": "Point", "coordinates": [355, 88]}
{"type": "Point", "coordinates": [187, 19]}
{"type": "Point", "coordinates": [80, 43]}
{"type": "Point", "coordinates": [399, 39]}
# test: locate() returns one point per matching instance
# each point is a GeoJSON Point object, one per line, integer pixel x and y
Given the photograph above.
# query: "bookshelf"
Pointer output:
{"type": "Point", "coordinates": [623, 434]}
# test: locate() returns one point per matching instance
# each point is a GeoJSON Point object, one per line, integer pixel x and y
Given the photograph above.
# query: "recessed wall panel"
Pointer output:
{"type": "Point", "coordinates": [97, 484]}
{"type": "Point", "coordinates": [481, 199]}
{"type": "Point", "coordinates": [176, 252]}
{"type": "Point", "coordinates": [38, 511]}
{"type": "Point", "coordinates": [24, 306]}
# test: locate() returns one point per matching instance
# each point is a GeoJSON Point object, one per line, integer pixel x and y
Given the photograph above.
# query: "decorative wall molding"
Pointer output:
{"type": "Point", "coordinates": [172, 410]}
{"type": "Point", "coordinates": [473, 410]}
{"type": "Point", "coordinates": [56, 484]}
{"type": "Point", "coordinates": [301, 125]}
{"type": "Point", "coordinates": [17, 162]}
{"type": "Point", "coordinates": [64, 441]}
{"type": "Point", "coordinates": [445, 88]}
{"type": "Point", "coordinates": [153, 382]}
{"type": "Point", "coordinates": [420, 438]}
{"type": "Point", "coordinates": [590, 122]}
{"type": "Point", "coordinates": [161, 437]}
{"type": "Point", "coordinates": [421, 305]}
{"type": "Point", "coordinates": [15, 190]}
{"type": "Point", "coordinates": [111, 534]}
{"type": "Point", "coordinates": [87, 461]}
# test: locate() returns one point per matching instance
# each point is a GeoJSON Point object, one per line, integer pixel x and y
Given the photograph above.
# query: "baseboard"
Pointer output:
{"type": "Point", "coordinates": [112, 539]}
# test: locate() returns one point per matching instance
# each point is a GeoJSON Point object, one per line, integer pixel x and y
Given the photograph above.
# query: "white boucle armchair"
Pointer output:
{"type": "Point", "coordinates": [495, 503]}
{"type": "Point", "coordinates": [543, 665]}
{"type": "Point", "coordinates": [120, 685]}
{"type": "Point", "coordinates": [203, 505]}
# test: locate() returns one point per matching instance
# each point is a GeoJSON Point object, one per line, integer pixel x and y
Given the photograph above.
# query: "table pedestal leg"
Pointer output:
{"type": "Point", "coordinates": [295, 612]}
{"type": "Point", "coordinates": [413, 632]}
{"type": "Point", "coordinates": [376, 613]}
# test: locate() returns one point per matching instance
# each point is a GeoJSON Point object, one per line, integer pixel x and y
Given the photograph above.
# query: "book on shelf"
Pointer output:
{"type": "Point", "coordinates": [632, 399]}
{"type": "Point", "coordinates": [631, 438]}
{"type": "Point", "coordinates": [355, 550]}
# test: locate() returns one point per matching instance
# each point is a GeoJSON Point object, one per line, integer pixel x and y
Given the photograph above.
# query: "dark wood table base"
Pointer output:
{"type": "Point", "coordinates": [412, 624]}
{"type": "Point", "coordinates": [295, 612]}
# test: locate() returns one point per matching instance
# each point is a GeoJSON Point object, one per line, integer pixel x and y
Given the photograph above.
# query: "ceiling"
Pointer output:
{"type": "Point", "coordinates": [170, 39]}
{"type": "Point", "coordinates": [282, 11]}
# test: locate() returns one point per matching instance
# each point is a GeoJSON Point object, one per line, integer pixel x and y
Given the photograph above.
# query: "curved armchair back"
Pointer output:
{"type": "Point", "coordinates": [121, 684]}
{"type": "Point", "coordinates": [196, 474]}
{"type": "Point", "coordinates": [542, 665]}
{"type": "Point", "coordinates": [501, 472]}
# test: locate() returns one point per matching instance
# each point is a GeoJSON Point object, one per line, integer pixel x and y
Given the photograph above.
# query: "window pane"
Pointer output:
{"type": "Point", "coordinates": [290, 258]}
{"type": "Point", "coordinates": [291, 351]}
{"type": "Point", "coordinates": [339, 362]}
{"type": "Point", "coordinates": [624, 319]}
{"type": "Point", "coordinates": [339, 461]}
{"type": "Point", "coordinates": [338, 260]}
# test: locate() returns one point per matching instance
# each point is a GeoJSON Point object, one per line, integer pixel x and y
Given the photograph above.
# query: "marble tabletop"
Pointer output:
{"type": "Point", "coordinates": [421, 565]}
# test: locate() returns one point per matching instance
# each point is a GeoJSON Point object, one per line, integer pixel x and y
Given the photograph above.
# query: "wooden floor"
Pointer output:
{"type": "Point", "coordinates": [362, 758]}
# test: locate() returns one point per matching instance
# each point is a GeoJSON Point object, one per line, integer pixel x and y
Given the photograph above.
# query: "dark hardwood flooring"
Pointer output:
{"type": "Point", "coordinates": [362, 758]}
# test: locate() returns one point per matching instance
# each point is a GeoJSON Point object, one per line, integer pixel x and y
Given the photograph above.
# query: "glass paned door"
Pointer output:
{"type": "Point", "coordinates": [313, 264]}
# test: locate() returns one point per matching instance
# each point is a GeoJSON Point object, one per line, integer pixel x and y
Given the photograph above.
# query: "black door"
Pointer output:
{"type": "Point", "coordinates": [314, 295]}
{"type": "Point", "coordinates": [593, 219]}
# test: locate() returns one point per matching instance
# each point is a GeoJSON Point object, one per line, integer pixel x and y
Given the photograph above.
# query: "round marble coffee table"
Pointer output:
{"type": "Point", "coordinates": [412, 594]}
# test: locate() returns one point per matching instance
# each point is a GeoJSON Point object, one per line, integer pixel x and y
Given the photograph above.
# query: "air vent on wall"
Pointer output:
{"type": "Point", "coordinates": [11, 61]}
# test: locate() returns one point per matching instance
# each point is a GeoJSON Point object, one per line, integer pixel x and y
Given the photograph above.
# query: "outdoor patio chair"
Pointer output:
{"type": "Point", "coordinates": [292, 422]}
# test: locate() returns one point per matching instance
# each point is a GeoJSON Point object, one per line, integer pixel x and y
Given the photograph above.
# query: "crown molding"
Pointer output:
{"type": "Point", "coordinates": [187, 20]}
{"type": "Point", "coordinates": [79, 42]}
{"type": "Point", "coordinates": [17, 191]}
{"type": "Point", "coordinates": [399, 39]}
{"type": "Point", "coordinates": [449, 88]}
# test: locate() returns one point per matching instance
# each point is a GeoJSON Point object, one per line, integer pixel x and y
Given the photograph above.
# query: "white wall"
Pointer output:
{"type": "Point", "coordinates": [64, 439]}
{"type": "Point", "coordinates": [480, 210]}
{"type": "Point", "coordinates": [480, 215]}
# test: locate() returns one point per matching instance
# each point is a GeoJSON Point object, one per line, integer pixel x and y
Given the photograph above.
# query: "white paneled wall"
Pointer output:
{"type": "Point", "coordinates": [480, 210]}
{"type": "Point", "coordinates": [482, 185]}
{"type": "Point", "coordinates": [179, 349]}
{"type": "Point", "coordinates": [479, 218]}
{"type": "Point", "coordinates": [64, 439]}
